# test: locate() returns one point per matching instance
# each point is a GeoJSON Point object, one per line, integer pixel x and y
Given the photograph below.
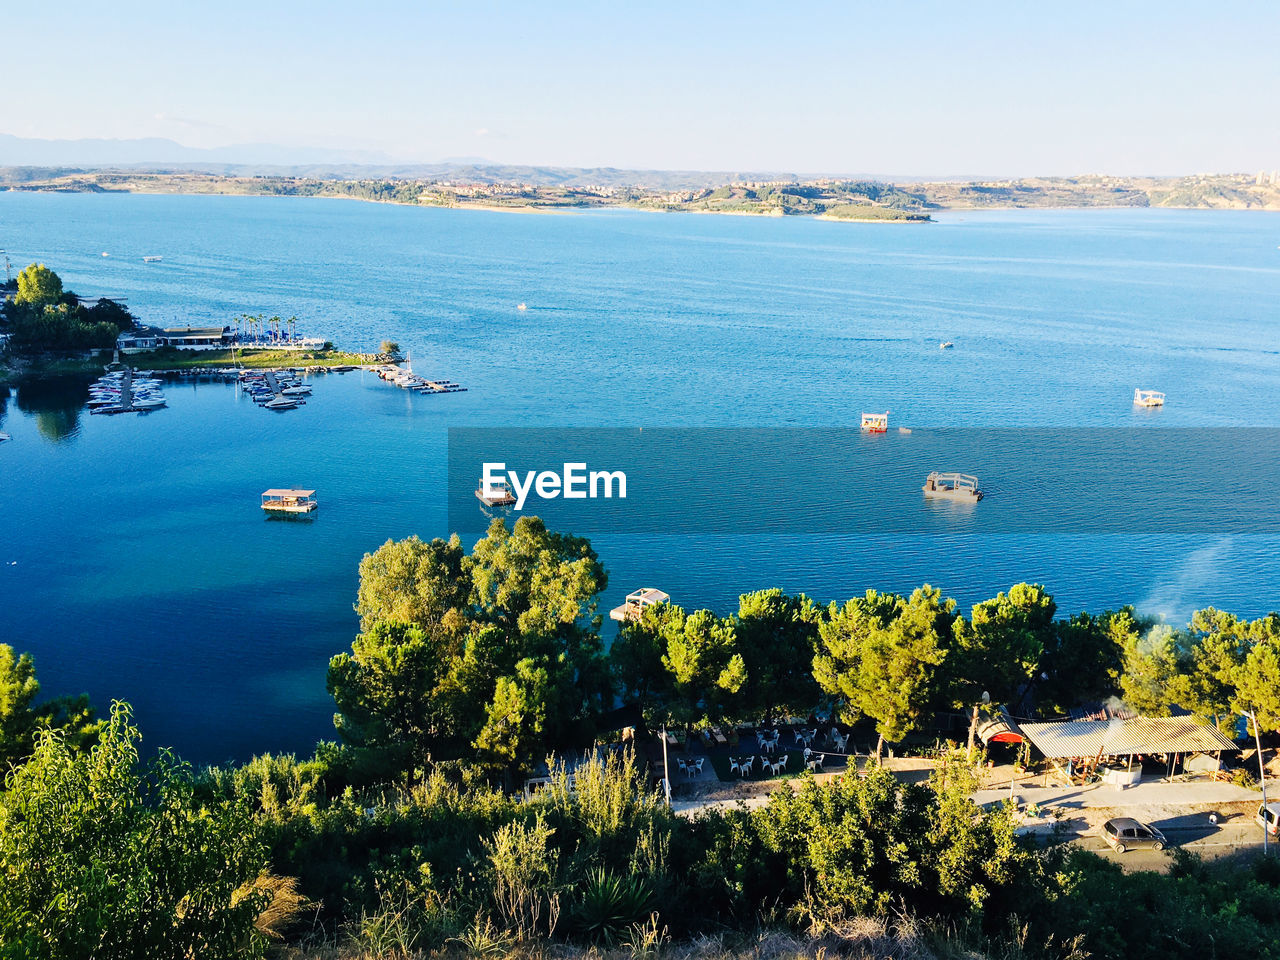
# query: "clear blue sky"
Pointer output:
{"type": "Point", "coordinates": [909, 87]}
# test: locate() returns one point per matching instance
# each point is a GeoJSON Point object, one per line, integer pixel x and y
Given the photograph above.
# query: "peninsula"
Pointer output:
{"type": "Point", "coordinates": [560, 190]}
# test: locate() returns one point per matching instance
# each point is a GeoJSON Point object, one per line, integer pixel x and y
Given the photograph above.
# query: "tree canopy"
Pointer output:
{"type": "Point", "coordinates": [493, 655]}
{"type": "Point", "coordinates": [880, 654]}
{"type": "Point", "coordinates": [38, 286]}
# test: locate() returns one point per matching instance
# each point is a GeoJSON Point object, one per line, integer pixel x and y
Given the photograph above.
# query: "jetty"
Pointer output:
{"type": "Point", "coordinates": [439, 386]}
{"type": "Point", "coordinates": [119, 403]}
{"type": "Point", "coordinates": [406, 378]}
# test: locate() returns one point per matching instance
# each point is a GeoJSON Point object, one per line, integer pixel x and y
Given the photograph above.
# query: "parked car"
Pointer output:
{"type": "Point", "coordinates": [1125, 833]}
{"type": "Point", "coordinates": [1269, 818]}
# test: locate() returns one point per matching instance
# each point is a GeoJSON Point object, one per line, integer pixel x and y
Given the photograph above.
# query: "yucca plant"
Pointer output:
{"type": "Point", "coordinates": [609, 905]}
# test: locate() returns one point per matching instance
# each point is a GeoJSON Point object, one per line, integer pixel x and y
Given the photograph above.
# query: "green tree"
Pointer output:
{"type": "Point", "coordinates": [635, 660]}
{"type": "Point", "coordinates": [864, 845]}
{"type": "Point", "coordinates": [38, 286]}
{"type": "Point", "coordinates": [1000, 646]}
{"type": "Point", "coordinates": [1210, 656]}
{"type": "Point", "coordinates": [516, 720]}
{"type": "Point", "coordinates": [102, 856]}
{"type": "Point", "coordinates": [881, 653]}
{"type": "Point", "coordinates": [415, 582]}
{"type": "Point", "coordinates": [1257, 687]}
{"type": "Point", "coordinates": [533, 581]}
{"type": "Point", "coordinates": [385, 694]}
{"type": "Point", "coordinates": [707, 672]}
{"type": "Point", "coordinates": [777, 636]}
{"type": "Point", "coordinates": [21, 718]}
{"type": "Point", "coordinates": [1082, 662]}
{"type": "Point", "coordinates": [1153, 660]}
{"type": "Point", "coordinates": [455, 646]}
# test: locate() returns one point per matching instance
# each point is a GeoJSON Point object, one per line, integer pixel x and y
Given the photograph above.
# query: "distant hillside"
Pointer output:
{"type": "Point", "coordinates": [558, 189]}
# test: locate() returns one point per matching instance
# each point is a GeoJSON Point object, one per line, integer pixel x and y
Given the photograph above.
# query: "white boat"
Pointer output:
{"type": "Point", "coordinates": [152, 259]}
{"type": "Point", "coordinates": [945, 345]}
{"type": "Point", "coordinates": [1148, 398]}
{"type": "Point", "coordinates": [297, 391]}
{"type": "Point", "coordinates": [4, 437]}
{"type": "Point", "coordinates": [147, 403]}
{"type": "Point", "coordinates": [280, 402]}
{"type": "Point", "coordinates": [522, 306]}
{"type": "Point", "coordinates": [875, 422]}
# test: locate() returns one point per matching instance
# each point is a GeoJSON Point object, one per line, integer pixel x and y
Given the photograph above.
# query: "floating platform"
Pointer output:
{"type": "Point", "coordinates": [637, 602]}
{"type": "Point", "coordinates": [952, 486]}
{"type": "Point", "coordinates": [498, 495]}
{"type": "Point", "coordinates": [288, 500]}
{"type": "Point", "coordinates": [1148, 398]}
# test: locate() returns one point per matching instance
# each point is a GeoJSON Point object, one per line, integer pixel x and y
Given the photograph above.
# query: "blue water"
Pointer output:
{"type": "Point", "coordinates": [135, 564]}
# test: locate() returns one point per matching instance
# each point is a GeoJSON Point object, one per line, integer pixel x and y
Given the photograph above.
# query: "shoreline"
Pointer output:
{"type": "Point", "coordinates": [264, 359]}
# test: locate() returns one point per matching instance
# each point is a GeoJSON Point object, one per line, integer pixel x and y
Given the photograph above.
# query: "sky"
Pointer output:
{"type": "Point", "coordinates": [907, 88]}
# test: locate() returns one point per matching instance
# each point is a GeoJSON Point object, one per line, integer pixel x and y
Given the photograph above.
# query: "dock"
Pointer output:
{"type": "Point", "coordinates": [125, 403]}
{"type": "Point", "coordinates": [440, 386]}
{"type": "Point", "coordinates": [405, 377]}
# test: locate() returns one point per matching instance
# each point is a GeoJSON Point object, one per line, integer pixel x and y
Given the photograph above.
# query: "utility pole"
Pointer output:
{"type": "Point", "coordinates": [666, 774]}
{"type": "Point", "coordinates": [1262, 776]}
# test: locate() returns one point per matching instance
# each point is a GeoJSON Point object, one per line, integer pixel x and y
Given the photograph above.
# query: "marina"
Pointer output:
{"type": "Point", "coordinates": [119, 391]}
{"type": "Point", "coordinates": [405, 377]}
{"type": "Point", "coordinates": [274, 389]}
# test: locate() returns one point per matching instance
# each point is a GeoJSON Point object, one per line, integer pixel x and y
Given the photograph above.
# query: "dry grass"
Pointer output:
{"type": "Point", "coordinates": [861, 939]}
{"type": "Point", "coordinates": [286, 907]}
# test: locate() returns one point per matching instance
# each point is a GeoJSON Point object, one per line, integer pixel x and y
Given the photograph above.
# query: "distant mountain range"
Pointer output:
{"type": "Point", "coordinates": [160, 155]}
{"type": "Point", "coordinates": [22, 151]}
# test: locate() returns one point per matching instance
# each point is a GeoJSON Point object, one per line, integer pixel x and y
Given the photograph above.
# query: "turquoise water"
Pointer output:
{"type": "Point", "coordinates": [134, 562]}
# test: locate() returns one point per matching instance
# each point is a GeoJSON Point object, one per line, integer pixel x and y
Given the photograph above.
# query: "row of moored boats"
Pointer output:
{"type": "Point", "coordinates": [117, 392]}
{"type": "Point", "coordinates": [274, 390]}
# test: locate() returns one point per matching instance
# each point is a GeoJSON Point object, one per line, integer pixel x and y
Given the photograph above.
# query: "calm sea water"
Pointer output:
{"type": "Point", "coordinates": [135, 564]}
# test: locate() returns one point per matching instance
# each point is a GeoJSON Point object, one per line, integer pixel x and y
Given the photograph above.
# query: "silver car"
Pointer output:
{"type": "Point", "coordinates": [1124, 833]}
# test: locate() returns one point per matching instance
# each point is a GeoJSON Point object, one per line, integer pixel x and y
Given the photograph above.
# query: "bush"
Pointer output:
{"type": "Point", "coordinates": [105, 857]}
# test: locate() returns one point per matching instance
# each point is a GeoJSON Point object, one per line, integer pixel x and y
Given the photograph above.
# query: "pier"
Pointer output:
{"type": "Point", "coordinates": [440, 386]}
{"type": "Point", "coordinates": [114, 394]}
{"type": "Point", "coordinates": [405, 377]}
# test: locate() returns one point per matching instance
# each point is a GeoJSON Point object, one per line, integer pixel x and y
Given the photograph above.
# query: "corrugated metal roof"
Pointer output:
{"type": "Point", "coordinates": [1086, 738]}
